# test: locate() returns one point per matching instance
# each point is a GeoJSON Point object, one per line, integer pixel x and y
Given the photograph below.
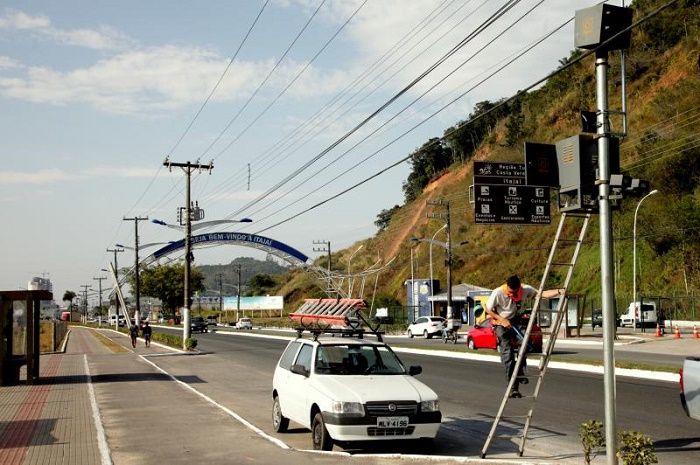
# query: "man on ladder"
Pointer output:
{"type": "Point", "coordinates": [503, 306]}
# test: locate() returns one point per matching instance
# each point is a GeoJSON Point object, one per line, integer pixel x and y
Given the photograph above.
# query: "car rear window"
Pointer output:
{"type": "Point", "coordinates": [288, 356]}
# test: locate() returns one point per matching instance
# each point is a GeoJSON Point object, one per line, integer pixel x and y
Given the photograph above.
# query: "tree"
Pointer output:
{"type": "Point", "coordinates": [68, 296]}
{"type": "Point", "coordinates": [167, 283]}
{"type": "Point", "coordinates": [260, 284]}
{"type": "Point", "coordinates": [432, 158]}
{"type": "Point", "coordinates": [384, 218]}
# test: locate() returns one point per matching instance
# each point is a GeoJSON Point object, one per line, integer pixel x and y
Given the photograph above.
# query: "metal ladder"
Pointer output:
{"type": "Point", "coordinates": [556, 318]}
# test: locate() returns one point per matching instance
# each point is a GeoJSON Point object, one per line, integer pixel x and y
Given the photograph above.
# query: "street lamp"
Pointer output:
{"type": "Point", "coordinates": [197, 226]}
{"type": "Point", "coordinates": [634, 260]}
{"type": "Point", "coordinates": [350, 278]}
{"type": "Point", "coordinates": [448, 250]}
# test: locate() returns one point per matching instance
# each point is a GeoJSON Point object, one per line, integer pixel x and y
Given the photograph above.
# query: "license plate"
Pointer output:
{"type": "Point", "coordinates": [392, 422]}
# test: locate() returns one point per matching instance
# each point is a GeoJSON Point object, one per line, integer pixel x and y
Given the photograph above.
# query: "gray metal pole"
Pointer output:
{"type": "Point", "coordinates": [450, 314]}
{"type": "Point", "coordinates": [634, 262]}
{"type": "Point", "coordinates": [238, 292]}
{"type": "Point", "coordinates": [606, 262]}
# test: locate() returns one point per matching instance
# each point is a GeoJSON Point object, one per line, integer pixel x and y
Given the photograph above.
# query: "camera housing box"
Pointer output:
{"type": "Point", "coordinates": [595, 25]}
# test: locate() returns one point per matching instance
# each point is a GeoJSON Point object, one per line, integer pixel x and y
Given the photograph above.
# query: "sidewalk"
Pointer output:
{"type": "Point", "coordinates": [100, 402]}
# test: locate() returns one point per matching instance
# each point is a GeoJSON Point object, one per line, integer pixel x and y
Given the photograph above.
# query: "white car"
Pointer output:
{"type": "Point", "coordinates": [244, 323]}
{"type": "Point", "coordinates": [351, 390]}
{"type": "Point", "coordinates": [427, 326]}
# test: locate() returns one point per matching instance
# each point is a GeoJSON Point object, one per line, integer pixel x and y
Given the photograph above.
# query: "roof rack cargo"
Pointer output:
{"type": "Point", "coordinates": [333, 316]}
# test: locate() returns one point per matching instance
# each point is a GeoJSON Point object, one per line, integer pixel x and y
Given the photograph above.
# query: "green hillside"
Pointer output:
{"type": "Point", "coordinates": [662, 145]}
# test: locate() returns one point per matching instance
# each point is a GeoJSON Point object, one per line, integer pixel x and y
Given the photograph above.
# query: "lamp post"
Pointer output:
{"type": "Point", "coordinates": [634, 259]}
{"type": "Point", "coordinates": [349, 278]}
{"type": "Point", "coordinates": [448, 250]}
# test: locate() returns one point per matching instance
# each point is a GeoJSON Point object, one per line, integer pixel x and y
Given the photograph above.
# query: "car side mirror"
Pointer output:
{"type": "Point", "coordinates": [300, 370]}
{"type": "Point", "coordinates": [414, 370]}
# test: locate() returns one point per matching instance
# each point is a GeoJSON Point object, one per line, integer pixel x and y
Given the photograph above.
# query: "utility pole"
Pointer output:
{"type": "Point", "coordinates": [446, 216]}
{"type": "Point", "coordinates": [187, 168]}
{"type": "Point", "coordinates": [85, 299]}
{"type": "Point", "coordinates": [327, 248]}
{"type": "Point", "coordinates": [99, 317]}
{"type": "Point", "coordinates": [116, 272]}
{"type": "Point", "coordinates": [137, 290]}
{"type": "Point", "coordinates": [238, 293]}
{"type": "Point", "coordinates": [220, 281]}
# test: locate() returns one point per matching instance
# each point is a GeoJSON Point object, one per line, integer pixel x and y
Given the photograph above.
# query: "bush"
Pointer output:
{"type": "Point", "coordinates": [636, 449]}
{"type": "Point", "coordinates": [592, 439]}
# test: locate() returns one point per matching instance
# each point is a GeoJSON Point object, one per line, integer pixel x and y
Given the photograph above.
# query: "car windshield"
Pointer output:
{"type": "Point", "coordinates": [354, 359]}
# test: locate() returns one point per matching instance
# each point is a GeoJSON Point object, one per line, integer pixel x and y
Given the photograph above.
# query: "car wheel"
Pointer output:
{"type": "Point", "coordinates": [470, 344]}
{"type": "Point", "coordinates": [426, 335]}
{"type": "Point", "coordinates": [410, 334]}
{"type": "Point", "coordinates": [319, 434]}
{"type": "Point", "coordinates": [279, 422]}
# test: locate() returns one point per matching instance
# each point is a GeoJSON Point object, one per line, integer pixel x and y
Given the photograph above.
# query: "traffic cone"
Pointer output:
{"type": "Point", "coordinates": [658, 330]}
{"type": "Point", "coordinates": [695, 332]}
{"type": "Point", "coordinates": [677, 333]}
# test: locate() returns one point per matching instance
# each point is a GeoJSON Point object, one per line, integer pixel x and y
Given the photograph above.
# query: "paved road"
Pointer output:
{"type": "Point", "coordinates": [150, 406]}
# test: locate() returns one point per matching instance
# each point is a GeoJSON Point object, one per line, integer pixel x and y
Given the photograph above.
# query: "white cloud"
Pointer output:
{"type": "Point", "coordinates": [105, 39]}
{"type": "Point", "coordinates": [142, 81]}
{"type": "Point", "coordinates": [9, 63]}
{"type": "Point", "coordinates": [36, 177]}
{"type": "Point", "coordinates": [19, 20]}
{"type": "Point", "coordinates": [119, 171]}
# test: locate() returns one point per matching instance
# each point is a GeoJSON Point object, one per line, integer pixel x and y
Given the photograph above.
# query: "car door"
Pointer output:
{"type": "Point", "coordinates": [297, 387]}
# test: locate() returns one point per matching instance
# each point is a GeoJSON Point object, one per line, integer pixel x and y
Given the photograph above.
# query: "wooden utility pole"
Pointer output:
{"type": "Point", "coordinates": [187, 167]}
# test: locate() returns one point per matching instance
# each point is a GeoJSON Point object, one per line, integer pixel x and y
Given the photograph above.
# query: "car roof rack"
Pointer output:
{"type": "Point", "coordinates": [334, 316]}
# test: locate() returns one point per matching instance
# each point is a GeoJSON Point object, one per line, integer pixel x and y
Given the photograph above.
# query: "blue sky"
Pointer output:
{"type": "Point", "coordinates": [95, 94]}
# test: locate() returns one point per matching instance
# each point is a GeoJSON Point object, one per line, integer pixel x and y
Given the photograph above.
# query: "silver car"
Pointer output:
{"type": "Point", "coordinates": [244, 323]}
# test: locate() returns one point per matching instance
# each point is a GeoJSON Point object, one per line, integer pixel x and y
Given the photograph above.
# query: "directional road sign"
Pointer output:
{"type": "Point", "coordinates": [518, 204]}
{"type": "Point", "coordinates": [511, 174]}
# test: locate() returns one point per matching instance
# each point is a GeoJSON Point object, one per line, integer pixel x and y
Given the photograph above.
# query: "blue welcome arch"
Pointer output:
{"type": "Point", "coordinates": [271, 246]}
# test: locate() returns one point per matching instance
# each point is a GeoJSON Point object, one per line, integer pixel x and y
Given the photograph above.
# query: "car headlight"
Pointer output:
{"type": "Point", "coordinates": [347, 408]}
{"type": "Point", "coordinates": [430, 406]}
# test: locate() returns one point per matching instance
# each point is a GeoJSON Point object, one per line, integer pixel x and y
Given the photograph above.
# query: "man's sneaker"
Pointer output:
{"type": "Point", "coordinates": [515, 394]}
{"type": "Point", "coordinates": [523, 380]}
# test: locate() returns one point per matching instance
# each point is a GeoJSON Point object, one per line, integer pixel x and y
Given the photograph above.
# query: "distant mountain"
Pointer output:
{"type": "Point", "coordinates": [227, 274]}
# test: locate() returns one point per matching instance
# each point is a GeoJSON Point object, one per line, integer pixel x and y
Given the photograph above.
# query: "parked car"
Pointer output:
{"type": "Point", "coordinates": [244, 323]}
{"type": "Point", "coordinates": [483, 336]}
{"type": "Point", "coordinates": [427, 326]}
{"type": "Point", "coordinates": [199, 324]}
{"type": "Point", "coordinates": [597, 319]}
{"type": "Point", "coordinates": [351, 389]}
{"type": "Point", "coordinates": [113, 320]}
{"type": "Point", "coordinates": [643, 313]}
{"type": "Point", "coordinates": [689, 383]}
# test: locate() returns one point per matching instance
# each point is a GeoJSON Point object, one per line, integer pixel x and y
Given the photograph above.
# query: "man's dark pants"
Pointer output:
{"type": "Point", "coordinates": [508, 352]}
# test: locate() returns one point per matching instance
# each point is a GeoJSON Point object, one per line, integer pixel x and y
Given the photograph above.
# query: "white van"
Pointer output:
{"type": "Point", "coordinates": [113, 320]}
{"type": "Point", "coordinates": [645, 313]}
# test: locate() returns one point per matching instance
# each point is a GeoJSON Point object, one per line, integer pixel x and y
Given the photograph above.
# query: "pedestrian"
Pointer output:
{"type": "Point", "coordinates": [134, 332]}
{"type": "Point", "coordinates": [146, 333]}
{"type": "Point", "coordinates": [503, 307]}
